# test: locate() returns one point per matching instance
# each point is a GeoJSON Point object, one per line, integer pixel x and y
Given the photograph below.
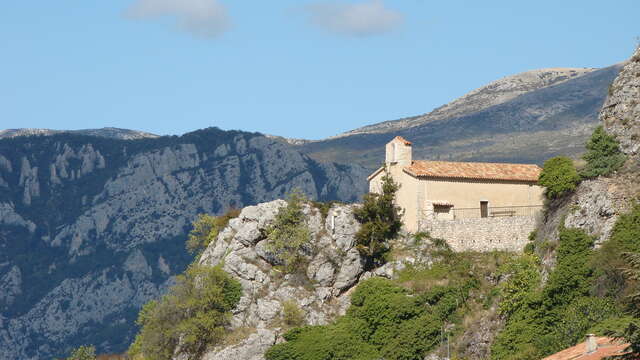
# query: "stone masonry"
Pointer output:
{"type": "Point", "coordinates": [483, 234]}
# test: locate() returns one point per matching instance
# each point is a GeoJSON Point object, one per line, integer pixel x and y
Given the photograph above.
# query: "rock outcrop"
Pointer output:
{"type": "Point", "coordinates": [621, 111]}
{"type": "Point", "coordinates": [91, 228]}
{"type": "Point", "coordinates": [321, 290]}
{"type": "Point", "coordinates": [596, 203]}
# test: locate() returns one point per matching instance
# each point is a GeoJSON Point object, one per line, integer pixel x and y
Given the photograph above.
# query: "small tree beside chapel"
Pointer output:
{"type": "Point", "coordinates": [380, 219]}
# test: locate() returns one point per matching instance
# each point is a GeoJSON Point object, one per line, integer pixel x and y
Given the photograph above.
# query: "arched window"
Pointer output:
{"type": "Point", "coordinates": [394, 155]}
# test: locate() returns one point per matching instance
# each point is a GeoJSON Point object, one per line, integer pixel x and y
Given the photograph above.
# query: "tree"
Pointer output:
{"type": "Point", "coordinates": [206, 228]}
{"type": "Point", "coordinates": [559, 177]}
{"type": "Point", "coordinates": [193, 315]}
{"type": "Point", "coordinates": [83, 353]}
{"type": "Point", "coordinates": [603, 155]}
{"type": "Point", "coordinates": [380, 219]}
{"type": "Point", "coordinates": [289, 234]}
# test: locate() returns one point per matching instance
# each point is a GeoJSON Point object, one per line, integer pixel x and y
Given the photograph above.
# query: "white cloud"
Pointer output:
{"type": "Point", "coordinates": [202, 18]}
{"type": "Point", "coordinates": [361, 19]}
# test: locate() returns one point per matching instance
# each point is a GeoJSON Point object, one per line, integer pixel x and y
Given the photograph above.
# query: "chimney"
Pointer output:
{"type": "Point", "coordinates": [592, 344]}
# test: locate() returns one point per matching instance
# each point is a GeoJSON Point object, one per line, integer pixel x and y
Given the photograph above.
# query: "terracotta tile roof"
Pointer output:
{"type": "Point", "coordinates": [474, 170]}
{"type": "Point", "coordinates": [606, 347]}
{"type": "Point", "coordinates": [405, 141]}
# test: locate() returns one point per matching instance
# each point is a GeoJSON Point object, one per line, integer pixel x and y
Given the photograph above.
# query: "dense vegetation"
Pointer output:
{"type": "Point", "coordinates": [403, 318]}
{"type": "Point", "coordinates": [559, 177]}
{"type": "Point", "coordinates": [380, 219]}
{"type": "Point", "coordinates": [289, 236]}
{"type": "Point", "coordinates": [603, 155]}
{"type": "Point", "coordinates": [588, 291]}
{"type": "Point", "coordinates": [192, 316]}
{"type": "Point", "coordinates": [83, 353]}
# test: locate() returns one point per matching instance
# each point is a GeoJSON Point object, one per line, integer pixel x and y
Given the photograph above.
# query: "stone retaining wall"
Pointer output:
{"type": "Point", "coordinates": [483, 234]}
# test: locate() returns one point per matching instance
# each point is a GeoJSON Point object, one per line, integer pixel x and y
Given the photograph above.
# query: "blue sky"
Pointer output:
{"type": "Point", "coordinates": [304, 69]}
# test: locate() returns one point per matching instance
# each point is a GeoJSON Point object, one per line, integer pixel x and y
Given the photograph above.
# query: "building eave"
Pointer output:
{"type": "Point", "coordinates": [375, 173]}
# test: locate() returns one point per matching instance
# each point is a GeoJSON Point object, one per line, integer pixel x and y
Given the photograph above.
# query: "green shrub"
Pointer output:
{"type": "Point", "coordinates": [534, 317]}
{"type": "Point", "coordinates": [572, 277]}
{"type": "Point", "coordinates": [559, 177]}
{"type": "Point", "coordinates": [603, 155]}
{"type": "Point", "coordinates": [380, 219]}
{"type": "Point", "coordinates": [530, 248]}
{"type": "Point", "coordinates": [193, 314]}
{"type": "Point", "coordinates": [289, 236]}
{"type": "Point", "coordinates": [292, 315]}
{"type": "Point", "coordinates": [324, 207]}
{"type": "Point", "coordinates": [383, 321]}
{"type": "Point", "coordinates": [206, 228]}
{"type": "Point", "coordinates": [612, 326]}
{"type": "Point", "coordinates": [83, 353]}
{"type": "Point", "coordinates": [608, 262]}
{"type": "Point", "coordinates": [524, 279]}
{"type": "Point", "coordinates": [579, 318]}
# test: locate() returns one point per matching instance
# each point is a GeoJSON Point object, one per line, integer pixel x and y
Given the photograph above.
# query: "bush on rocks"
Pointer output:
{"type": "Point", "coordinates": [192, 316]}
{"type": "Point", "coordinates": [603, 155]}
{"type": "Point", "coordinates": [289, 235]}
{"type": "Point", "coordinates": [559, 177]}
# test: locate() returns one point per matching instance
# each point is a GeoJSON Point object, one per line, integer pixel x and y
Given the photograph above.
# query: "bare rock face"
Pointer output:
{"type": "Point", "coordinates": [596, 204]}
{"type": "Point", "coordinates": [621, 111]}
{"type": "Point", "coordinates": [321, 291]}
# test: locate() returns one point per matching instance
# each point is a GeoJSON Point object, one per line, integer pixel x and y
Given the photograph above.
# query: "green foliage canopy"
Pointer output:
{"type": "Point", "coordinates": [83, 353]}
{"type": "Point", "coordinates": [524, 279]}
{"type": "Point", "coordinates": [192, 315]}
{"type": "Point", "coordinates": [534, 325]}
{"type": "Point", "coordinates": [390, 319]}
{"type": "Point", "coordinates": [206, 228]}
{"type": "Point", "coordinates": [603, 155]}
{"type": "Point", "coordinates": [380, 219]}
{"type": "Point", "coordinates": [559, 177]}
{"type": "Point", "coordinates": [289, 236]}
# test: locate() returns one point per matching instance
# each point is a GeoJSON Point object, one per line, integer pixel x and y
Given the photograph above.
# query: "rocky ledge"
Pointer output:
{"type": "Point", "coordinates": [321, 290]}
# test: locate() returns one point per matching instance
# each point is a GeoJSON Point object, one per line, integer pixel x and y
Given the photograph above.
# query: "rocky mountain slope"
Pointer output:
{"type": "Point", "coordinates": [597, 203]}
{"type": "Point", "coordinates": [91, 228]}
{"type": "Point", "coordinates": [527, 117]}
{"type": "Point", "coordinates": [108, 132]}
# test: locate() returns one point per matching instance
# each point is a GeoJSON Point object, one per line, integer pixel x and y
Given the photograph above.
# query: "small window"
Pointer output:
{"type": "Point", "coordinates": [442, 212]}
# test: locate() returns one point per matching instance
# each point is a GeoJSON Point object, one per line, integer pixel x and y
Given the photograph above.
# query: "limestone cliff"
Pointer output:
{"type": "Point", "coordinates": [334, 267]}
{"type": "Point", "coordinates": [91, 227]}
{"type": "Point", "coordinates": [597, 203]}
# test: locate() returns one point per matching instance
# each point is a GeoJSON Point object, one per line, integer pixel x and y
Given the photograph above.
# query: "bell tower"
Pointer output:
{"type": "Point", "coordinates": [398, 151]}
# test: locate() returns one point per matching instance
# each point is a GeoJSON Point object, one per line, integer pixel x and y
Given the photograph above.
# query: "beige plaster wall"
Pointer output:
{"type": "Point", "coordinates": [469, 193]}
{"type": "Point", "coordinates": [398, 152]}
{"type": "Point", "coordinates": [410, 196]}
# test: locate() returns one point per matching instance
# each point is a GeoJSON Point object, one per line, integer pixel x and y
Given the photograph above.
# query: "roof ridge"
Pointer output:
{"type": "Point", "coordinates": [475, 162]}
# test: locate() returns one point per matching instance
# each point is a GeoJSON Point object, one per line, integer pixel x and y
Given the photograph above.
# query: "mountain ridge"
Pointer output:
{"type": "Point", "coordinates": [106, 132]}
{"type": "Point", "coordinates": [562, 113]}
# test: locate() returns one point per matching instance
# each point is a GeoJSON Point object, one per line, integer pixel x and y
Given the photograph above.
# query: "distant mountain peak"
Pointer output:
{"type": "Point", "coordinates": [494, 93]}
{"type": "Point", "coordinates": [107, 132]}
